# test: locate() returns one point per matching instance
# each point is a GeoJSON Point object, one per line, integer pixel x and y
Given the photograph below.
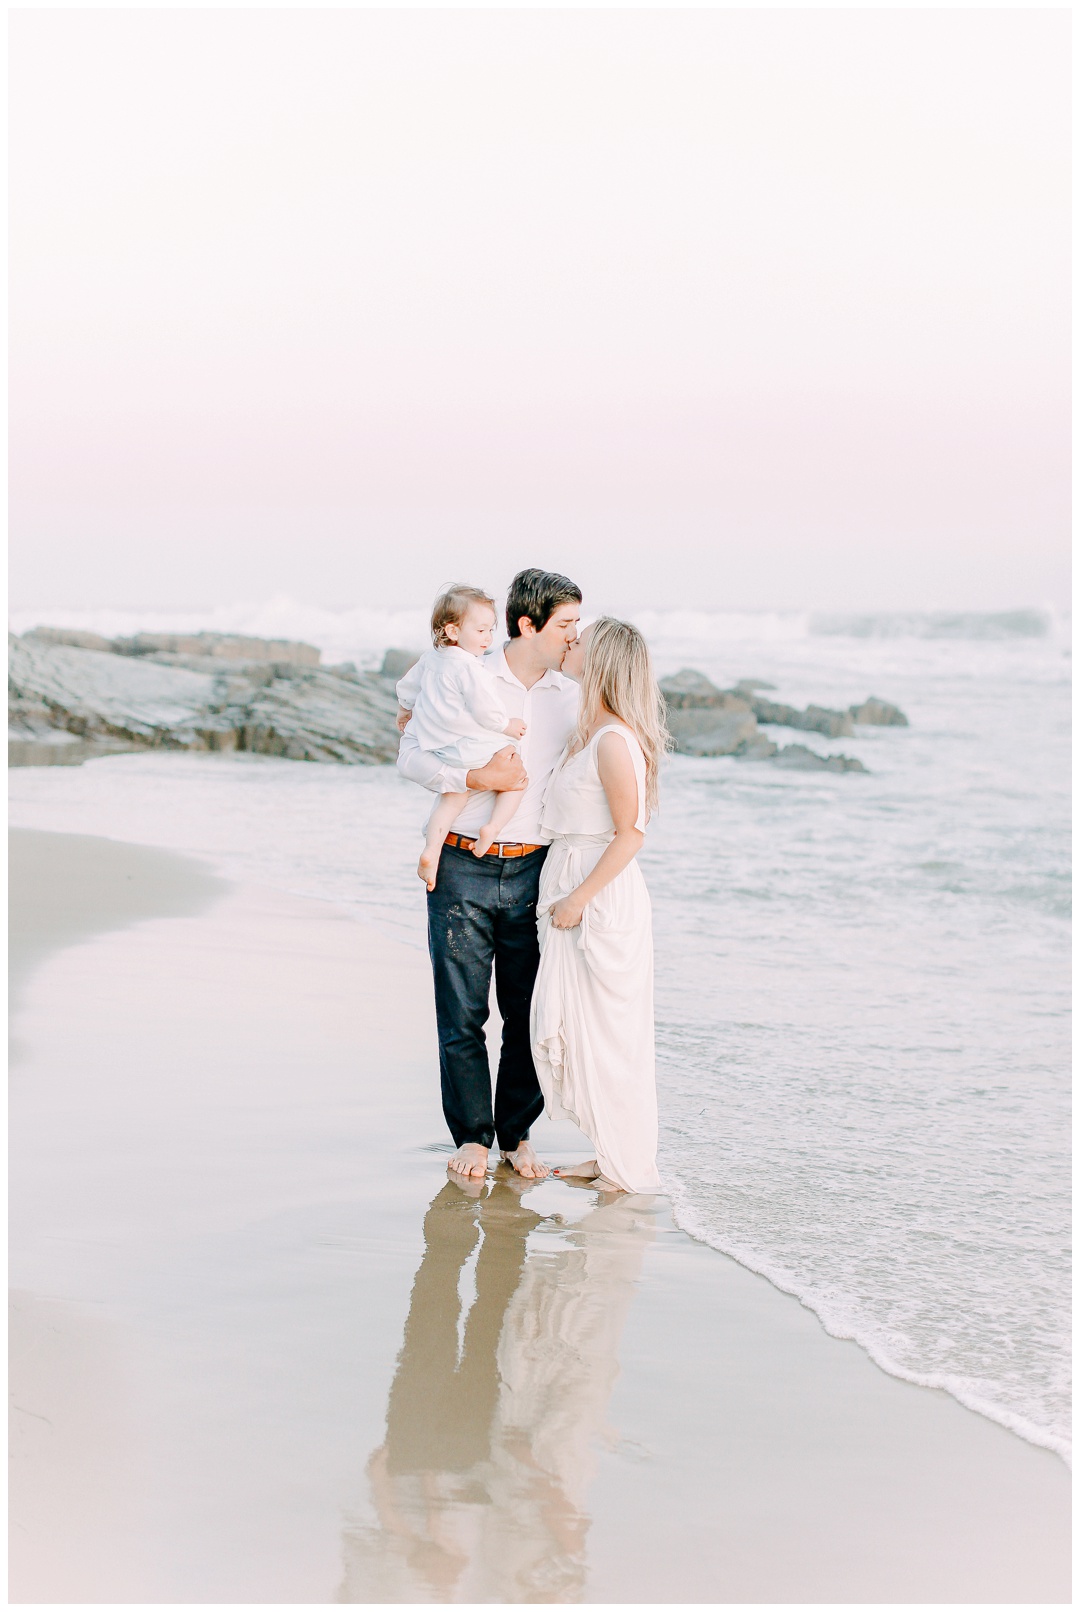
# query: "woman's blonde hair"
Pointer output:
{"type": "Point", "coordinates": [618, 676]}
{"type": "Point", "coordinates": [450, 608]}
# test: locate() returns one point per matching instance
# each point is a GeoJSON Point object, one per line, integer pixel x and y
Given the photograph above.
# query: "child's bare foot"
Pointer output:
{"type": "Point", "coordinates": [485, 839]}
{"type": "Point", "coordinates": [525, 1162]}
{"type": "Point", "coordinates": [428, 865]}
{"type": "Point", "coordinates": [470, 1159]}
{"type": "Point", "coordinates": [589, 1171]}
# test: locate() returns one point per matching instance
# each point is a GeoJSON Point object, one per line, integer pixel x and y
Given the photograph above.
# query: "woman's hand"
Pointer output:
{"type": "Point", "coordinates": [403, 718]}
{"type": "Point", "coordinates": [566, 914]}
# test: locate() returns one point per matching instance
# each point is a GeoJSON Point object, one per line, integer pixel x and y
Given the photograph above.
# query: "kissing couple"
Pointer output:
{"type": "Point", "coordinates": [530, 866]}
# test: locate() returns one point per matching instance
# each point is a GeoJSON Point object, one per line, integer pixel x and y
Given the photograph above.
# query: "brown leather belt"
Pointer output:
{"type": "Point", "coordinates": [508, 848]}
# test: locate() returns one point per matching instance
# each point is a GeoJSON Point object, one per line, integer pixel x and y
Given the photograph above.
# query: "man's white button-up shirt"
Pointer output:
{"type": "Point", "coordinates": [549, 710]}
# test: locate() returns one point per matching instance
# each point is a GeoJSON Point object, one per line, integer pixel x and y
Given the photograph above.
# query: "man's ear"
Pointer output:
{"type": "Point", "coordinates": [525, 627]}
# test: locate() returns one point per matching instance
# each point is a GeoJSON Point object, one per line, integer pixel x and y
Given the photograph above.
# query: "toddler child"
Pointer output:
{"type": "Point", "coordinates": [455, 711]}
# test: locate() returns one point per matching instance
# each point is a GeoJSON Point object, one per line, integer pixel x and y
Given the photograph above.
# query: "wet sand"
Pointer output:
{"type": "Point", "coordinates": [263, 1351]}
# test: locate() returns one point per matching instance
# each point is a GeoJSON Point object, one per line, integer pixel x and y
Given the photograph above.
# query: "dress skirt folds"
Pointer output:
{"type": "Point", "coordinates": [592, 1013]}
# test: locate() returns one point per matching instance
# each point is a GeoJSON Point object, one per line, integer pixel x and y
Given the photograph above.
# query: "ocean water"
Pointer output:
{"type": "Point", "coordinates": [862, 981]}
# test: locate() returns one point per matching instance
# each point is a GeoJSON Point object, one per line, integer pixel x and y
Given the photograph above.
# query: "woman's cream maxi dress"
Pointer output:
{"type": "Point", "coordinates": [592, 1006]}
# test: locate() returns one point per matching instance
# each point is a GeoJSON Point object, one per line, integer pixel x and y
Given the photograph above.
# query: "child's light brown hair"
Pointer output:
{"type": "Point", "coordinates": [450, 609]}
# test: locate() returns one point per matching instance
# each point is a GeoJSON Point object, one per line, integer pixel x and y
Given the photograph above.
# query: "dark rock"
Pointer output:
{"type": "Point", "coordinates": [724, 733]}
{"type": "Point", "coordinates": [322, 718]}
{"type": "Point", "coordinates": [798, 756]}
{"type": "Point", "coordinates": [55, 748]}
{"type": "Point", "coordinates": [750, 685]}
{"type": "Point", "coordinates": [396, 662]}
{"type": "Point", "coordinates": [689, 693]}
{"type": "Point", "coordinates": [105, 696]}
{"type": "Point", "coordinates": [174, 700]}
{"type": "Point", "coordinates": [708, 721]}
{"type": "Point", "coordinates": [70, 637]}
{"type": "Point", "coordinates": [705, 720]}
{"type": "Point", "coordinates": [227, 675]}
{"type": "Point", "coordinates": [690, 690]}
{"type": "Point", "coordinates": [815, 719]}
{"type": "Point", "coordinates": [219, 646]}
{"type": "Point", "coordinates": [879, 714]}
{"type": "Point", "coordinates": [757, 748]}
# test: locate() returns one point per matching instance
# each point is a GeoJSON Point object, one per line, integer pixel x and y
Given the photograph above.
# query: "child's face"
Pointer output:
{"type": "Point", "coordinates": [474, 633]}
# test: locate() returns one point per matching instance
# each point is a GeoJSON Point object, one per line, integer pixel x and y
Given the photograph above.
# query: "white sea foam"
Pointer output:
{"type": "Point", "coordinates": [842, 1322]}
{"type": "Point", "coordinates": [862, 992]}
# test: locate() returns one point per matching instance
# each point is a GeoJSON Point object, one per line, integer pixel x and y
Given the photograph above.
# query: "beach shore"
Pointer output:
{"type": "Point", "coordinates": [263, 1351]}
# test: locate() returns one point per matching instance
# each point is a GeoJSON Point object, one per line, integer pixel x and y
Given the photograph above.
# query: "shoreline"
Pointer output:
{"type": "Point", "coordinates": [289, 1143]}
{"type": "Point", "coordinates": [1037, 1437]}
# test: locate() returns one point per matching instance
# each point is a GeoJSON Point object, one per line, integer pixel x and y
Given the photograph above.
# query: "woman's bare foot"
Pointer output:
{"type": "Point", "coordinates": [589, 1171]}
{"type": "Point", "coordinates": [428, 865]}
{"type": "Point", "coordinates": [525, 1162]}
{"type": "Point", "coordinates": [485, 839]}
{"type": "Point", "coordinates": [470, 1160]}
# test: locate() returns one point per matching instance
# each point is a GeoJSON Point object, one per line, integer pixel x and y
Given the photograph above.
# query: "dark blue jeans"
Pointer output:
{"type": "Point", "coordinates": [481, 912]}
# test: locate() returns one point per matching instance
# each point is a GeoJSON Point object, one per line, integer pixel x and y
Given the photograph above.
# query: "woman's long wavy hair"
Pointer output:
{"type": "Point", "coordinates": [618, 675]}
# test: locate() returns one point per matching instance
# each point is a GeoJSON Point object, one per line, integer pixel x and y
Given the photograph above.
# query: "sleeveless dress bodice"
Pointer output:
{"type": "Point", "coordinates": [575, 802]}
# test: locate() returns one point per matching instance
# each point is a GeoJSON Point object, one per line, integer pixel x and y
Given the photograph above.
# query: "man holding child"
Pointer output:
{"type": "Point", "coordinates": [482, 909]}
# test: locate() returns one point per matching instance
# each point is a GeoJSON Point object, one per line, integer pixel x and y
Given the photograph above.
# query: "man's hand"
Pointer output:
{"type": "Point", "coordinates": [503, 771]}
{"type": "Point", "coordinates": [403, 718]}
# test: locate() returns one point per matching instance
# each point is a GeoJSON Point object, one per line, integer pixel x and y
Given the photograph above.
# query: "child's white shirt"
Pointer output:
{"type": "Point", "coordinates": [452, 696]}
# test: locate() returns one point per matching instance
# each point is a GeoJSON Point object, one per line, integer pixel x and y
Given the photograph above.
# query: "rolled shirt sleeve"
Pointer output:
{"type": "Point", "coordinates": [421, 767]}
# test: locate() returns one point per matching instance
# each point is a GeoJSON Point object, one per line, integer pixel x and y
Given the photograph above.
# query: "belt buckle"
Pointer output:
{"type": "Point", "coordinates": [512, 848]}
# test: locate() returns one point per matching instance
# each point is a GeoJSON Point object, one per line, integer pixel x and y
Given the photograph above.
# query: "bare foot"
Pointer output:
{"type": "Point", "coordinates": [428, 866]}
{"type": "Point", "coordinates": [469, 1160]}
{"type": "Point", "coordinates": [525, 1162]}
{"type": "Point", "coordinates": [485, 839]}
{"type": "Point", "coordinates": [589, 1171]}
{"type": "Point", "coordinates": [472, 1186]}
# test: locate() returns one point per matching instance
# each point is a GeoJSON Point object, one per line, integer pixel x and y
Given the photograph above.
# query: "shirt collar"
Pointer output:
{"type": "Point", "coordinates": [497, 663]}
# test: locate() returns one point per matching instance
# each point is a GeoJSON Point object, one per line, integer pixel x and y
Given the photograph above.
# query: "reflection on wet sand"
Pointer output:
{"type": "Point", "coordinates": [479, 1486]}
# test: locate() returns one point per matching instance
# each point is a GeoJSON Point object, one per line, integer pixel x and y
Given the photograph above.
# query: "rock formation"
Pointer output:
{"type": "Point", "coordinates": [878, 714]}
{"type": "Point", "coordinates": [396, 662]}
{"type": "Point", "coordinates": [797, 755]}
{"type": "Point", "coordinates": [73, 695]}
{"type": "Point", "coordinates": [814, 719]}
{"type": "Point", "coordinates": [219, 646]}
{"type": "Point", "coordinates": [68, 702]}
{"type": "Point", "coordinates": [708, 721]}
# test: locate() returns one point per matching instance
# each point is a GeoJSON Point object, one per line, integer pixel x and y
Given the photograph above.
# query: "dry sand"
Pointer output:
{"type": "Point", "coordinates": [263, 1352]}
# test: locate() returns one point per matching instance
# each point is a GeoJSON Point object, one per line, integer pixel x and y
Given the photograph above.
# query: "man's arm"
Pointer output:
{"type": "Point", "coordinates": [503, 771]}
{"type": "Point", "coordinates": [421, 767]}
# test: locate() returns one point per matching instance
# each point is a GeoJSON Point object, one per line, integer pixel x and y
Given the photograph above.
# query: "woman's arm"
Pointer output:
{"type": "Point", "coordinates": [619, 779]}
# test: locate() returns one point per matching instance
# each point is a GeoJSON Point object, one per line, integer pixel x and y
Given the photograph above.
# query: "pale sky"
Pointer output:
{"type": "Point", "coordinates": [733, 309]}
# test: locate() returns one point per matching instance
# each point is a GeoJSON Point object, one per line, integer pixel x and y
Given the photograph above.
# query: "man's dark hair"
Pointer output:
{"type": "Point", "coordinates": [538, 594]}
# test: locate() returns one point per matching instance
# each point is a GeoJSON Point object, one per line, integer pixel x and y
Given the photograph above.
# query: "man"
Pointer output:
{"type": "Point", "coordinates": [482, 911]}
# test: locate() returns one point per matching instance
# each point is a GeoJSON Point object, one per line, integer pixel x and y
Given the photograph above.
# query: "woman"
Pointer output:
{"type": "Point", "coordinates": [592, 1006]}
